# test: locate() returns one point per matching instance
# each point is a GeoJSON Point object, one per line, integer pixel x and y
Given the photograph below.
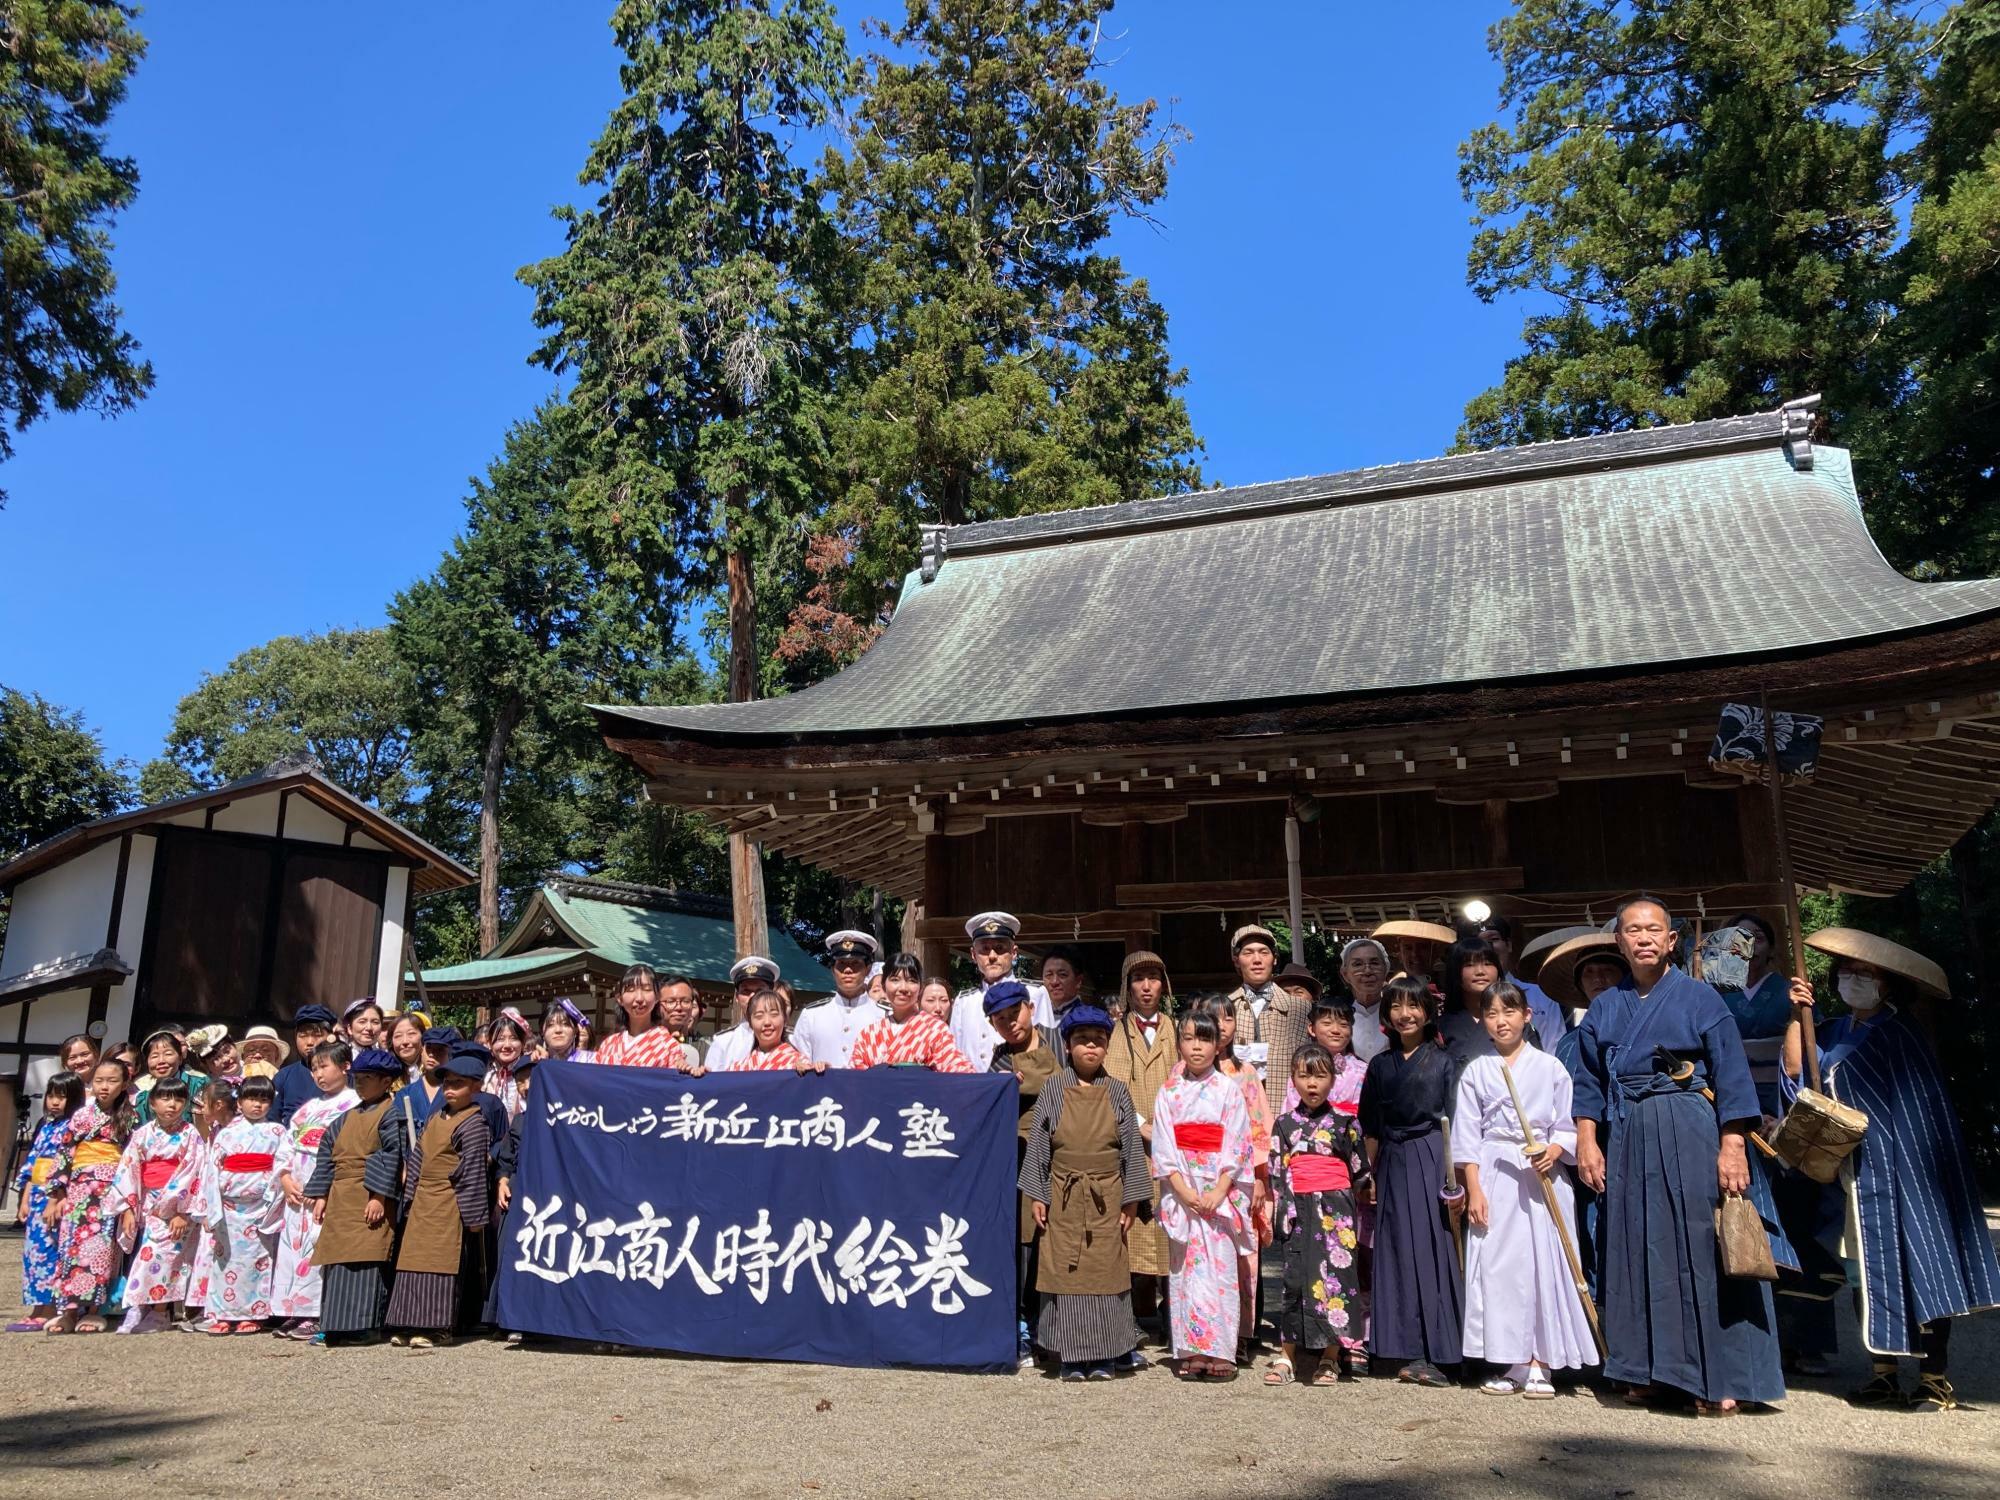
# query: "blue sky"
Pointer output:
{"type": "Point", "coordinates": [321, 266]}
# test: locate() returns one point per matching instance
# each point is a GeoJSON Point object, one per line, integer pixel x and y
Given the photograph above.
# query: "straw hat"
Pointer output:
{"type": "Point", "coordinates": [1430, 932]}
{"type": "Point", "coordinates": [1560, 963]}
{"type": "Point", "coordinates": [1535, 952]}
{"type": "Point", "coordinates": [264, 1036]}
{"type": "Point", "coordinates": [1893, 958]}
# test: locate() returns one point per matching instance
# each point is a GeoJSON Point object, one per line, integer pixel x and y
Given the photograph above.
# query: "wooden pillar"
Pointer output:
{"type": "Point", "coordinates": [1493, 820]}
{"type": "Point", "coordinates": [935, 953]}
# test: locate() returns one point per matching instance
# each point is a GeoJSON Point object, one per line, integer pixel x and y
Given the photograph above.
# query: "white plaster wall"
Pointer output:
{"type": "Point", "coordinates": [308, 821]}
{"type": "Point", "coordinates": [62, 911]}
{"type": "Point", "coordinates": [257, 814]}
{"type": "Point", "coordinates": [132, 924]}
{"type": "Point", "coordinates": [362, 841]}
{"type": "Point", "coordinates": [389, 962]}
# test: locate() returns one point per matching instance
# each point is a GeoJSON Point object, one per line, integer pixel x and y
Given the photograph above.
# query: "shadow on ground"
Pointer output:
{"type": "Point", "coordinates": [72, 1436]}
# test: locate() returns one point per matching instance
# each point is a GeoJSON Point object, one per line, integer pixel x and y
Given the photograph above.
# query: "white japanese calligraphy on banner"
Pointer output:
{"type": "Point", "coordinates": [926, 1130]}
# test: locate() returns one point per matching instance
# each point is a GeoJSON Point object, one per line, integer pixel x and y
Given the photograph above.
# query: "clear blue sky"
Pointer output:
{"type": "Point", "coordinates": [321, 267]}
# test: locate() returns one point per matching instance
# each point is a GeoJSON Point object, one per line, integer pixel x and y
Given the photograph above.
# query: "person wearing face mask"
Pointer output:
{"type": "Point", "coordinates": [1914, 1217]}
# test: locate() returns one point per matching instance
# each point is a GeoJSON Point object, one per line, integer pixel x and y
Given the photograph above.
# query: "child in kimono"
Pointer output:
{"type": "Point", "coordinates": [1521, 1304]}
{"type": "Point", "coordinates": [1201, 1154]}
{"type": "Point", "coordinates": [1318, 1164]}
{"type": "Point", "coordinates": [355, 1185]}
{"type": "Point", "coordinates": [298, 1286]}
{"type": "Point", "coordinates": [62, 1096]}
{"type": "Point", "coordinates": [214, 1107]}
{"type": "Point", "coordinates": [1085, 1174]}
{"type": "Point", "coordinates": [238, 1261]}
{"type": "Point", "coordinates": [441, 1263]}
{"type": "Point", "coordinates": [765, 1013]}
{"type": "Point", "coordinates": [157, 1197]}
{"type": "Point", "coordinates": [507, 1039]}
{"type": "Point", "coordinates": [1416, 1304]}
{"type": "Point", "coordinates": [80, 1189]}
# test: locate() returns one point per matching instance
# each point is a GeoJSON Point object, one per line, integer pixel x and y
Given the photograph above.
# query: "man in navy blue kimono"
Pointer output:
{"type": "Point", "coordinates": [1662, 1156]}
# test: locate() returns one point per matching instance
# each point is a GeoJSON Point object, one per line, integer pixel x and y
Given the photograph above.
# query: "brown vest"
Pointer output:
{"type": "Point", "coordinates": [433, 1233]}
{"type": "Point", "coordinates": [345, 1238]}
{"type": "Point", "coordinates": [1083, 1251]}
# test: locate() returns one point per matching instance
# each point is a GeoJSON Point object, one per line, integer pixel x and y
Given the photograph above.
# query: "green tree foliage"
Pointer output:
{"type": "Point", "coordinates": [1006, 362]}
{"type": "Point", "coordinates": [679, 302]}
{"type": "Point", "coordinates": [339, 695]}
{"type": "Point", "coordinates": [53, 775]}
{"type": "Point", "coordinates": [1698, 197]}
{"type": "Point", "coordinates": [517, 630]}
{"type": "Point", "coordinates": [63, 70]}
{"type": "Point", "coordinates": [1940, 509]}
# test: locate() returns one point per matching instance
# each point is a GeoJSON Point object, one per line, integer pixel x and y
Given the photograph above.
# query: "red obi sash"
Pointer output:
{"type": "Point", "coordinates": [248, 1161]}
{"type": "Point", "coordinates": [1319, 1174]}
{"type": "Point", "coordinates": [158, 1172]}
{"type": "Point", "coordinates": [1349, 1107]}
{"type": "Point", "coordinates": [1198, 1136]}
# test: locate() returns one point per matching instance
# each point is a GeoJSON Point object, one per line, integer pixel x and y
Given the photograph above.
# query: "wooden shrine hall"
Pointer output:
{"type": "Point", "coordinates": [1493, 675]}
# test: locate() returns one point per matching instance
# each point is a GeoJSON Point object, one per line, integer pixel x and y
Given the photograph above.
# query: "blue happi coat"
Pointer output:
{"type": "Point", "coordinates": [1924, 1250]}
{"type": "Point", "coordinates": [1670, 1316]}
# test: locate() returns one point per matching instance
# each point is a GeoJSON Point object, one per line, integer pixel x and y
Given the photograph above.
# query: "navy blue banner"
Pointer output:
{"type": "Point", "coordinates": [841, 1218]}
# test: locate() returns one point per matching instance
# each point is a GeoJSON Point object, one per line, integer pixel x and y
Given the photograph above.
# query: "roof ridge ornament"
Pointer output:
{"type": "Point", "coordinates": [1800, 416]}
{"type": "Point", "coordinates": [933, 554]}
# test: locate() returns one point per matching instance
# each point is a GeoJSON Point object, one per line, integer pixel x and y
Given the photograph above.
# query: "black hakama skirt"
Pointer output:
{"type": "Point", "coordinates": [1419, 1298]}
{"type": "Point", "coordinates": [353, 1298]}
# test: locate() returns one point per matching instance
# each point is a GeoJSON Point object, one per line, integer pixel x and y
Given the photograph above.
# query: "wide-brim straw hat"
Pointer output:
{"type": "Point", "coordinates": [1892, 958]}
{"type": "Point", "coordinates": [1560, 963]}
{"type": "Point", "coordinates": [1430, 932]}
{"type": "Point", "coordinates": [1535, 952]}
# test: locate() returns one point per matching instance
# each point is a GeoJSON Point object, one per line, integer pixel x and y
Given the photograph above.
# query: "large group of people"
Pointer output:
{"type": "Point", "coordinates": [1433, 1169]}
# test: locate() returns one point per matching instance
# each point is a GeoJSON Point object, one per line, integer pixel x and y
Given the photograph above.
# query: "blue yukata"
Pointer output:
{"type": "Point", "coordinates": [1670, 1316]}
{"type": "Point", "coordinates": [38, 1250]}
{"type": "Point", "coordinates": [1922, 1243]}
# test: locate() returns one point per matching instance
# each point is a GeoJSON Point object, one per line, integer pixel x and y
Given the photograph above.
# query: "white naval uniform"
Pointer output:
{"type": "Point", "coordinates": [974, 1033]}
{"type": "Point", "coordinates": [827, 1031]}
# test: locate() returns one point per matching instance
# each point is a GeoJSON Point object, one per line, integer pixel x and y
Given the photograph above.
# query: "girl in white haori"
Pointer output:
{"type": "Point", "coordinates": [1521, 1304]}
{"type": "Point", "coordinates": [295, 1288]}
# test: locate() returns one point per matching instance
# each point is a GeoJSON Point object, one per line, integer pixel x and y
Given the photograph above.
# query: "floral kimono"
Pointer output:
{"type": "Point", "coordinates": [296, 1286]}
{"type": "Point", "coordinates": [159, 1179]}
{"type": "Point", "coordinates": [86, 1168]}
{"type": "Point", "coordinates": [234, 1272]}
{"type": "Point", "coordinates": [31, 1184]}
{"type": "Point", "coordinates": [1201, 1128]}
{"type": "Point", "coordinates": [1317, 1160]}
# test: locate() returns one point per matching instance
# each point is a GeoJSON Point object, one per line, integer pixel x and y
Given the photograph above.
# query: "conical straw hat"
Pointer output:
{"type": "Point", "coordinates": [1851, 942]}
{"type": "Point", "coordinates": [1559, 965]}
{"type": "Point", "coordinates": [1430, 932]}
{"type": "Point", "coordinates": [1535, 952]}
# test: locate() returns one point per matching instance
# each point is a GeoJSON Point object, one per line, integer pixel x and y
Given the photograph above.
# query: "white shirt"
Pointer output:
{"type": "Point", "coordinates": [974, 1033]}
{"type": "Point", "coordinates": [1369, 1037]}
{"type": "Point", "coordinates": [827, 1032]}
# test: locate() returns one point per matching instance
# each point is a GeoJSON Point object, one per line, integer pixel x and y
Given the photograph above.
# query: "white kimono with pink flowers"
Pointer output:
{"type": "Point", "coordinates": [1201, 1128]}
{"type": "Point", "coordinates": [296, 1286]}
{"type": "Point", "coordinates": [159, 1178]}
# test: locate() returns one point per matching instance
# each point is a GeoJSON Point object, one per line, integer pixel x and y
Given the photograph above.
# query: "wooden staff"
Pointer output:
{"type": "Point", "coordinates": [1531, 1149]}
{"type": "Point", "coordinates": [1795, 953]}
{"type": "Point", "coordinates": [1451, 1192]}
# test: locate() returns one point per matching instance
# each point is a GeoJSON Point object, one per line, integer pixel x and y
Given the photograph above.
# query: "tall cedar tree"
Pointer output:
{"type": "Point", "coordinates": [1943, 514]}
{"type": "Point", "coordinates": [683, 306]}
{"type": "Point", "coordinates": [1698, 195]}
{"type": "Point", "coordinates": [339, 695]}
{"type": "Point", "coordinates": [517, 630]}
{"type": "Point", "coordinates": [1007, 362]}
{"type": "Point", "coordinates": [63, 69]}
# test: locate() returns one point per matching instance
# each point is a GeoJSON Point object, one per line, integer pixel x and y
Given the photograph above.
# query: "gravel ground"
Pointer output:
{"type": "Point", "coordinates": [197, 1416]}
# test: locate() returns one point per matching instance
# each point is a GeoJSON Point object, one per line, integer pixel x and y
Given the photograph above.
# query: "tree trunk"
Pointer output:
{"type": "Point", "coordinates": [746, 861]}
{"type": "Point", "coordinates": [490, 778]}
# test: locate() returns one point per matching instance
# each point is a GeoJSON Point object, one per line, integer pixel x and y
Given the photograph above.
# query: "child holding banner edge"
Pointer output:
{"type": "Point", "coordinates": [1084, 1172]}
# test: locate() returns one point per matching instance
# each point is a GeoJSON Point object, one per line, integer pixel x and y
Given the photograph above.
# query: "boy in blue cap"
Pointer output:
{"type": "Point", "coordinates": [1032, 1054]}
{"type": "Point", "coordinates": [355, 1186]}
{"type": "Point", "coordinates": [311, 1025]}
{"type": "Point", "coordinates": [1085, 1172]}
{"type": "Point", "coordinates": [441, 1265]}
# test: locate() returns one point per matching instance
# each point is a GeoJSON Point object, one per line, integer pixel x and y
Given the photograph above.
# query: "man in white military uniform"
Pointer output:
{"type": "Point", "coordinates": [993, 953]}
{"type": "Point", "coordinates": [749, 975]}
{"type": "Point", "coordinates": [827, 1032]}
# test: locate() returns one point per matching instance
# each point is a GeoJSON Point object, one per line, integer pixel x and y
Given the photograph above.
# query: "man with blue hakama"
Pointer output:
{"type": "Point", "coordinates": [1662, 1156]}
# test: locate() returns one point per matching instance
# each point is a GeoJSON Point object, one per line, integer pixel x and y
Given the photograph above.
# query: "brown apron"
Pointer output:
{"type": "Point", "coordinates": [433, 1233]}
{"type": "Point", "coordinates": [1033, 1070]}
{"type": "Point", "coordinates": [345, 1238]}
{"type": "Point", "coordinates": [1082, 1250]}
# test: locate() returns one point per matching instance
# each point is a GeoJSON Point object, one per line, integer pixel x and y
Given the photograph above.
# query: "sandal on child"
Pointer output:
{"type": "Point", "coordinates": [1328, 1372]}
{"type": "Point", "coordinates": [221, 1329]}
{"type": "Point", "coordinates": [1501, 1385]}
{"type": "Point", "coordinates": [1539, 1387]}
{"type": "Point", "coordinates": [1354, 1363]}
{"type": "Point", "coordinates": [1280, 1372]}
{"type": "Point", "coordinates": [248, 1328]}
{"type": "Point", "coordinates": [28, 1325]}
{"type": "Point", "coordinates": [1189, 1369]}
{"type": "Point", "coordinates": [90, 1325]}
